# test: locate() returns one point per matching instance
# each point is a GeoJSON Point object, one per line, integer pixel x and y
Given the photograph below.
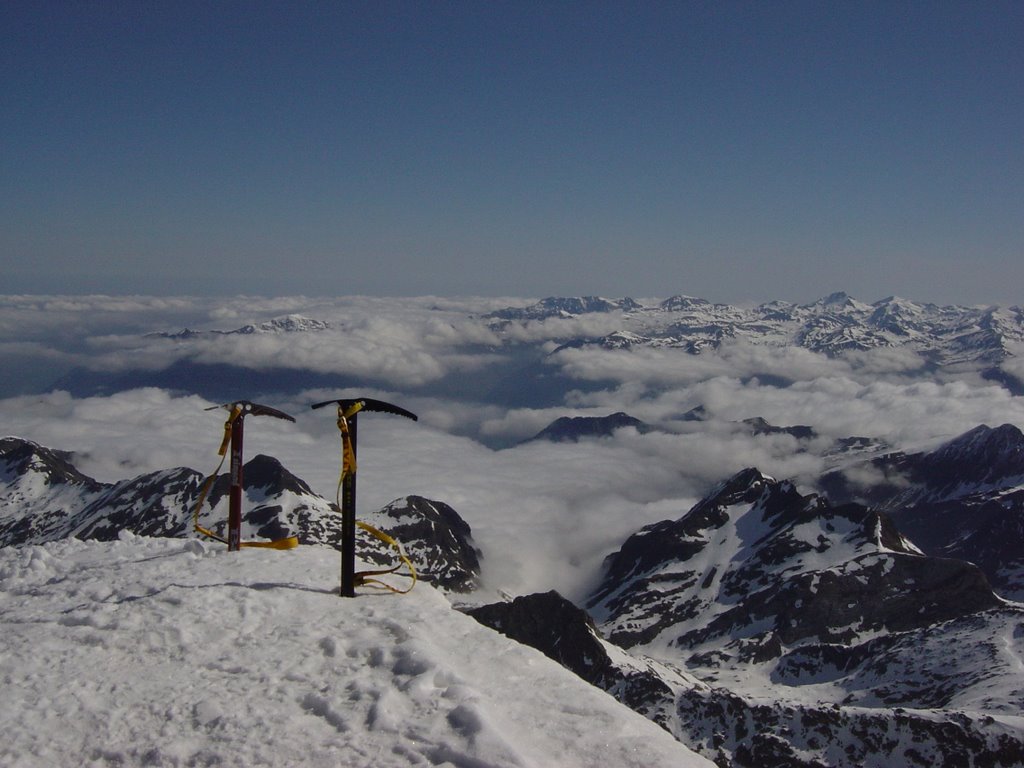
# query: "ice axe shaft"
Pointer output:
{"type": "Point", "coordinates": [348, 413]}
{"type": "Point", "coordinates": [348, 519]}
{"type": "Point", "coordinates": [235, 495]}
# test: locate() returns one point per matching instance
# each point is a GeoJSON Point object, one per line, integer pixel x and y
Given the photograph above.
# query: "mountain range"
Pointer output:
{"type": "Point", "coordinates": [926, 338]}
{"type": "Point", "coordinates": [963, 500]}
{"type": "Point", "coordinates": [834, 325]}
{"type": "Point", "coordinates": [869, 623]}
{"type": "Point", "coordinates": [980, 337]}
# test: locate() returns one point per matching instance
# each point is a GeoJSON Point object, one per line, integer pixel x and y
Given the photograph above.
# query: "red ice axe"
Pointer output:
{"type": "Point", "coordinates": [233, 432]}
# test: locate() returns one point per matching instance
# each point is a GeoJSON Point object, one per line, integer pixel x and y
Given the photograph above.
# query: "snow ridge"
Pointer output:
{"type": "Point", "coordinates": [165, 652]}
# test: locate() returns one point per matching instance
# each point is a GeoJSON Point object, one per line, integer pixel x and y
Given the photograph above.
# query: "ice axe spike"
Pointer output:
{"type": "Point", "coordinates": [352, 406]}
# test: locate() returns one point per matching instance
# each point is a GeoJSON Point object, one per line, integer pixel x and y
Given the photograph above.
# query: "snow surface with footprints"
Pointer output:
{"type": "Point", "coordinates": [163, 652]}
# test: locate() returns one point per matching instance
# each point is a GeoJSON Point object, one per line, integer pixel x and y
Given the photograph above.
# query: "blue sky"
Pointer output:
{"type": "Point", "coordinates": [736, 151]}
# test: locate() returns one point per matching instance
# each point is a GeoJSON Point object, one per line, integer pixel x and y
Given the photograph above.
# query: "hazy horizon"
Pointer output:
{"type": "Point", "coordinates": [734, 151]}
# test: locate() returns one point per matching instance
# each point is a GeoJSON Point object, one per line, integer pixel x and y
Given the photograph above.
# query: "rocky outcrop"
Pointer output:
{"type": "Point", "coordinates": [566, 634]}
{"type": "Point", "coordinates": [437, 540]}
{"type": "Point", "coordinates": [43, 497]}
{"type": "Point", "coordinates": [963, 500]}
{"type": "Point", "coordinates": [575, 428]}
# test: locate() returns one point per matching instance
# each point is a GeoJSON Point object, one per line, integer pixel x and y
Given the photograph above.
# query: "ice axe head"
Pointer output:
{"type": "Point", "coordinates": [246, 407]}
{"type": "Point", "coordinates": [367, 404]}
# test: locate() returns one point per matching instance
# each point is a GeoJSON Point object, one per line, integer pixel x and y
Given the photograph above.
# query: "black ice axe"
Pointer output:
{"type": "Point", "coordinates": [233, 431]}
{"type": "Point", "coordinates": [348, 410]}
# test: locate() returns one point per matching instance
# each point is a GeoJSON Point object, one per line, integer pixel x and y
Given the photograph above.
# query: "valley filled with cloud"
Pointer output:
{"type": "Point", "coordinates": [125, 383]}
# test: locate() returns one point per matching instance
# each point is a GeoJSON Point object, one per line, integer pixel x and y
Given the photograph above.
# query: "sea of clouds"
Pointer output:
{"type": "Point", "coordinates": [545, 514]}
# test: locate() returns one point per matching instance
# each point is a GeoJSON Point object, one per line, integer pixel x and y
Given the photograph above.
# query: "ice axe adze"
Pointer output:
{"type": "Point", "coordinates": [233, 431]}
{"type": "Point", "coordinates": [348, 410]}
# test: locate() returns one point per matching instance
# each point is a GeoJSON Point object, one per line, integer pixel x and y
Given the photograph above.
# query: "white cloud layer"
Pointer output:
{"type": "Point", "coordinates": [544, 514]}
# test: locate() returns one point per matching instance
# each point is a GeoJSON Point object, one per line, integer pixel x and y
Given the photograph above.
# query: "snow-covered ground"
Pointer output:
{"type": "Point", "coordinates": [162, 652]}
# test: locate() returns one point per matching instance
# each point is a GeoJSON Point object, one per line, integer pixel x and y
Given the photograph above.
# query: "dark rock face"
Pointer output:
{"type": "Point", "coordinates": [551, 624]}
{"type": "Point", "coordinates": [759, 581]}
{"type": "Point", "coordinates": [566, 634]}
{"type": "Point", "coordinates": [759, 426]}
{"type": "Point", "coordinates": [436, 539]}
{"type": "Point", "coordinates": [267, 473]}
{"type": "Point", "coordinates": [154, 504]}
{"type": "Point", "coordinates": [738, 733]}
{"type": "Point", "coordinates": [758, 553]}
{"type": "Point", "coordinates": [977, 461]}
{"type": "Point", "coordinates": [870, 593]}
{"type": "Point", "coordinates": [964, 500]}
{"type": "Point", "coordinates": [40, 492]}
{"type": "Point", "coordinates": [575, 428]}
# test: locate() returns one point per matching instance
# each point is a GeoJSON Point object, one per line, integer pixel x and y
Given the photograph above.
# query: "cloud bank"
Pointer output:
{"type": "Point", "coordinates": [545, 514]}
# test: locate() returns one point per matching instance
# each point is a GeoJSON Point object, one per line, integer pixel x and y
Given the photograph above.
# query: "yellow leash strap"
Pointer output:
{"type": "Point", "coordinates": [289, 542]}
{"type": "Point", "coordinates": [348, 453]}
{"type": "Point", "coordinates": [365, 577]}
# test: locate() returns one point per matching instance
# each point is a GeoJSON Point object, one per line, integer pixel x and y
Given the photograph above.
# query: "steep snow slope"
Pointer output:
{"type": "Point", "coordinates": [164, 652]}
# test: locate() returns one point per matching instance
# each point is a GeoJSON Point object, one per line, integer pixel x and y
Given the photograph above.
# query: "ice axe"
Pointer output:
{"type": "Point", "coordinates": [348, 410]}
{"type": "Point", "coordinates": [233, 432]}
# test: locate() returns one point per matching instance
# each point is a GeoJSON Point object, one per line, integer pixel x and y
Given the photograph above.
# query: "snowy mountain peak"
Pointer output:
{"type": "Point", "coordinates": [285, 324]}
{"type": "Point", "coordinates": [680, 303]}
{"type": "Point", "coordinates": [22, 457]}
{"type": "Point", "coordinates": [436, 539]}
{"type": "Point", "coordinates": [964, 500]}
{"type": "Point", "coordinates": [747, 485]}
{"type": "Point", "coordinates": [840, 300]}
{"type": "Point", "coordinates": [40, 491]}
{"type": "Point", "coordinates": [575, 428]}
{"type": "Point", "coordinates": [1004, 444]}
{"type": "Point", "coordinates": [725, 570]}
{"type": "Point", "coordinates": [561, 306]}
{"type": "Point", "coordinates": [267, 473]}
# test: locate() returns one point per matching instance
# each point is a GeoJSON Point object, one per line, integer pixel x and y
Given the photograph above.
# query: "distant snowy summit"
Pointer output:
{"type": "Point", "coordinates": [285, 324]}
{"type": "Point", "coordinates": [565, 307]}
{"type": "Point", "coordinates": [282, 324]}
{"type": "Point", "coordinates": [834, 325]}
{"type": "Point", "coordinates": [575, 428]}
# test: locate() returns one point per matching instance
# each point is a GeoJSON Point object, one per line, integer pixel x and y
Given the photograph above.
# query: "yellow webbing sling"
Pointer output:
{"type": "Point", "coordinates": [289, 542]}
{"type": "Point", "coordinates": [348, 467]}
